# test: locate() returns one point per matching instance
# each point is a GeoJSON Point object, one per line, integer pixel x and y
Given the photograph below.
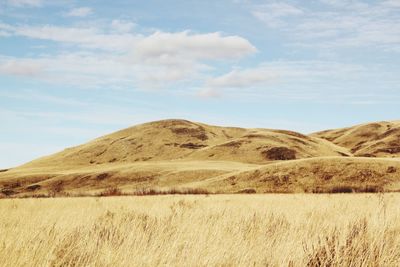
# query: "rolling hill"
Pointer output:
{"type": "Point", "coordinates": [380, 139]}
{"type": "Point", "coordinates": [182, 154]}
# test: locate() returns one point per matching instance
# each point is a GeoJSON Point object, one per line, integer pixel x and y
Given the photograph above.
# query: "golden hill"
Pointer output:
{"type": "Point", "coordinates": [182, 154]}
{"type": "Point", "coordinates": [381, 139]}
{"type": "Point", "coordinates": [180, 139]}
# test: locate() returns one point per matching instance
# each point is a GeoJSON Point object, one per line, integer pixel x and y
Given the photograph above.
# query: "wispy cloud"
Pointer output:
{"type": "Point", "coordinates": [336, 24]}
{"type": "Point", "coordinates": [242, 79]}
{"type": "Point", "coordinates": [32, 95]}
{"type": "Point", "coordinates": [156, 45]}
{"type": "Point", "coordinates": [83, 70]}
{"type": "Point", "coordinates": [117, 57]}
{"type": "Point", "coordinates": [80, 12]}
{"type": "Point", "coordinates": [22, 3]}
{"type": "Point", "coordinates": [274, 14]}
{"type": "Point", "coordinates": [315, 80]}
{"type": "Point", "coordinates": [122, 26]}
{"type": "Point", "coordinates": [18, 67]}
{"type": "Point", "coordinates": [246, 78]}
{"type": "Point", "coordinates": [91, 38]}
{"type": "Point", "coordinates": [392, 3]}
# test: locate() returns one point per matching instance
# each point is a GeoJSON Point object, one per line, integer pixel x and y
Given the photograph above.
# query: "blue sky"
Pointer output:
{"type": "Point", "coordinates": [71, 71]}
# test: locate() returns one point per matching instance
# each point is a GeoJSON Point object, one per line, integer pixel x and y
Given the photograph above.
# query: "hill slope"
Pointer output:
{"type": "Point", "coordinates": [179, 139]}
{"type": "Point", "coordinates": [380, 139]}
{"type": "Point", "coordinates": [184, 154]}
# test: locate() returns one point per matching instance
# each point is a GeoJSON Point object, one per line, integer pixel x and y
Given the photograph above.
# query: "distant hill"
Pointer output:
{"type": "Point", "coordinates": [380, 139]}
{"type": "Point", "coordinates": [182, 154]}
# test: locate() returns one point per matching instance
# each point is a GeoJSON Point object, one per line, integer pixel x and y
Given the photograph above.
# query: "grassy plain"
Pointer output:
{"type": "Point", "coordinates": [198, 230]}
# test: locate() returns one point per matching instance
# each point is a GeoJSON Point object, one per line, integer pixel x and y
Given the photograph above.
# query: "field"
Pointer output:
{"type": "Point", "coordinates": [214, 230]}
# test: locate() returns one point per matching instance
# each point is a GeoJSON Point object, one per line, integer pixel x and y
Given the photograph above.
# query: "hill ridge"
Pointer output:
{"type": "Point", "coordinates": [178, 153]}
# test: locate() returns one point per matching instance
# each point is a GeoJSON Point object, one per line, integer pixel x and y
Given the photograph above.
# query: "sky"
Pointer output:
{"type": "Point", "coordinates": [71, 71]}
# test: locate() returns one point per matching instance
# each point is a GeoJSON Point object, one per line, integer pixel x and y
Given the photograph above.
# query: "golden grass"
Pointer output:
{"type": "Point", "coordinates": [292, 176]}
{"type": "Point", "coordinates": [215, 230]}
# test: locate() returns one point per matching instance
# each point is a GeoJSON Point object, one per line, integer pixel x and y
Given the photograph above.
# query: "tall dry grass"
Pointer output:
{"type": "Point", "coordinates": [215, 230]}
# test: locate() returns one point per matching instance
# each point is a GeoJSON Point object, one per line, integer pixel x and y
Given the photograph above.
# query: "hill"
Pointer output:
{"type": "Point", "coordinates": [182, 154]}
{"type": "Point", "coordinates": [180, 139]}
{"type": "Point", "coordinates": [380, 139]}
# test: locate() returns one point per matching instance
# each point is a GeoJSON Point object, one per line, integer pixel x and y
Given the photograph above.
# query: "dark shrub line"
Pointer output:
{"type": "Point", "coordinates": [115, 191]}
{"type": "Point", "coordinates": [348, 189]}
{"type": "Point", "coordinates": [173, 191]}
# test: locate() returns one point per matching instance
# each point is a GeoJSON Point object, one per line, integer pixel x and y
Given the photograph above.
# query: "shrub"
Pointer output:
{"type": "Point", "coordinates": [109, 192]}
{"type": "Point", "coordinates": [371, 189]}
{"type": "Point", "coordinates": [102, 176]}
{"type": "Point", "coordinates": [33, 187]}
{"type": "Point", "coordinates": [391, 169]}
{"type": "Point", "coordinates": [172, 191]}
{"type": "Point", "coordinates": [347, 189]}
{"type": "Point", "coordinates": [279, 153]}
{"type": "Point", "coordinates": [247, 191]}
{"type": "Point", "coordinates": [8, 192]}
{"type": "Point", "coordinates": [341, 189]}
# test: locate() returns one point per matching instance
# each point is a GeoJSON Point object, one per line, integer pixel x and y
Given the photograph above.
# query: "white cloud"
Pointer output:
{"type": "Point", "coordinates": [80, 12]}
{"type": "Point", "coordinates": [192, 46]}
{"type": "Point", "coordinates": [158, 45]}
{"type": "Point", "coordinates": [22, 3]}
{"type": "Point", "coordinates": [171, 57]}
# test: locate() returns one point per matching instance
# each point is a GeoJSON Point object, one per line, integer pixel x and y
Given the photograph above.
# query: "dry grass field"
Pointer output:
{"type": "Point", "coordinates": [214, 230]}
